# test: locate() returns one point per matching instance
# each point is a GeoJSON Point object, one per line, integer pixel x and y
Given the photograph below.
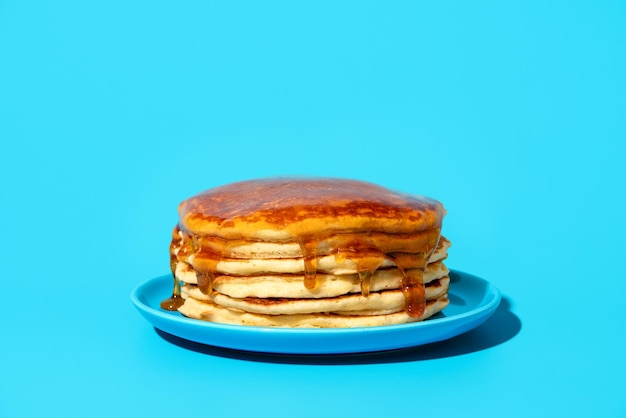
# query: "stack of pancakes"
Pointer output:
{"type": "Point", "coordinates": [309, 253]}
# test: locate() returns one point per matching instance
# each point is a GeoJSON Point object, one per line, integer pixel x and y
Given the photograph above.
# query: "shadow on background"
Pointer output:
{"type": "Point", "coordinates": [499, 328]}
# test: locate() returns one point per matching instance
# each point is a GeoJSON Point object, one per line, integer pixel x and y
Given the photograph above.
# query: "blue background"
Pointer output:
{"type": "Point", "coordinates": [511, 113]}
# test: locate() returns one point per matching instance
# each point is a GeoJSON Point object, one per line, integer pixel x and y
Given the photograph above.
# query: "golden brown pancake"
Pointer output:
{"type": "Point", "coordinates": [288, 251]}
{"type": "Point", "coordinates": [292, 285]}
{"type": "Point", "coordinates": [208, 311]}
{"type": "Point", "coordinates": [284, 209]}
{"type": "Point", "coordinates": [388, 300]}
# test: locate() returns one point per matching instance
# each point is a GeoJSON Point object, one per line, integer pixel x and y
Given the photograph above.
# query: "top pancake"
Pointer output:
{"type": "Point", "coordinates": [284, 209]}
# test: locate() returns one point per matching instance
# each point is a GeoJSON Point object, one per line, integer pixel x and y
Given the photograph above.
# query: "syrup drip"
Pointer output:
{"type": "Point", "coordinates": [205, 263]}
{"type": "Point", "coordinates": [413, 283]}
{"type": "Point", "coordinates": [365, 277]}
{"type": "Point", "coordinates": [414, 292]}
{"type": "Point", "coordinates": [205, 281]}
{"type": "Point", "coordinates": [176, 300]}
{"type": "Point", "coordinates": [368, 258]}
{"type": "Point", "coordinates": [309, 254]}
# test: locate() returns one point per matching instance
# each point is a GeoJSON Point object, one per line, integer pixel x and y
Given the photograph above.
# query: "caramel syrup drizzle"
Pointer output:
{"type": "Point", "coordinates": [369, 258]}
{"type": "Point", "coordinates": [309, 254]}
{"type": "Point", "coordinates": [359, 249]}
{"type": "Point", "coordinates": [175, 301]}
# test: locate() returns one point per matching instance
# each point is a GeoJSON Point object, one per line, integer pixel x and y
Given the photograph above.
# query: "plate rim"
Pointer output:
{"type": "Point", "coordinates": [293, 340]}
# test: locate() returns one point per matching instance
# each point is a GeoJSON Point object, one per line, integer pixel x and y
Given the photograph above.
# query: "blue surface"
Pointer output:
{"type": "Point", "coordinates": [513, 114]}
{"type": "Point", "coordinates": [472, 301]}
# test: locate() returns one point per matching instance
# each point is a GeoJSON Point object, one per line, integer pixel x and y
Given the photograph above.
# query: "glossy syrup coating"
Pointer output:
{"type": "Point", "coordinates": [287, 208]}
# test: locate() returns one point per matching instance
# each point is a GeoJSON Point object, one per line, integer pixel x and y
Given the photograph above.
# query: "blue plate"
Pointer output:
{"type": "Point", "coordinates": [472, 301]}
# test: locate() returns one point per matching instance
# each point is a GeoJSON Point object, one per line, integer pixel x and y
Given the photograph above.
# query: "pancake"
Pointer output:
{"type": "Point", "coordinates": [391, 300]}
{"type": "Point", "coordinates": [327, 264]}
{"type": "Point", "coordinates": [208, 311]}
{"type": "Point", "coordinates": [280, 209]}
{"type": "Point", "coordinates": [292, 285]}
{"type": "Point", "coordinates": [308, 253]}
